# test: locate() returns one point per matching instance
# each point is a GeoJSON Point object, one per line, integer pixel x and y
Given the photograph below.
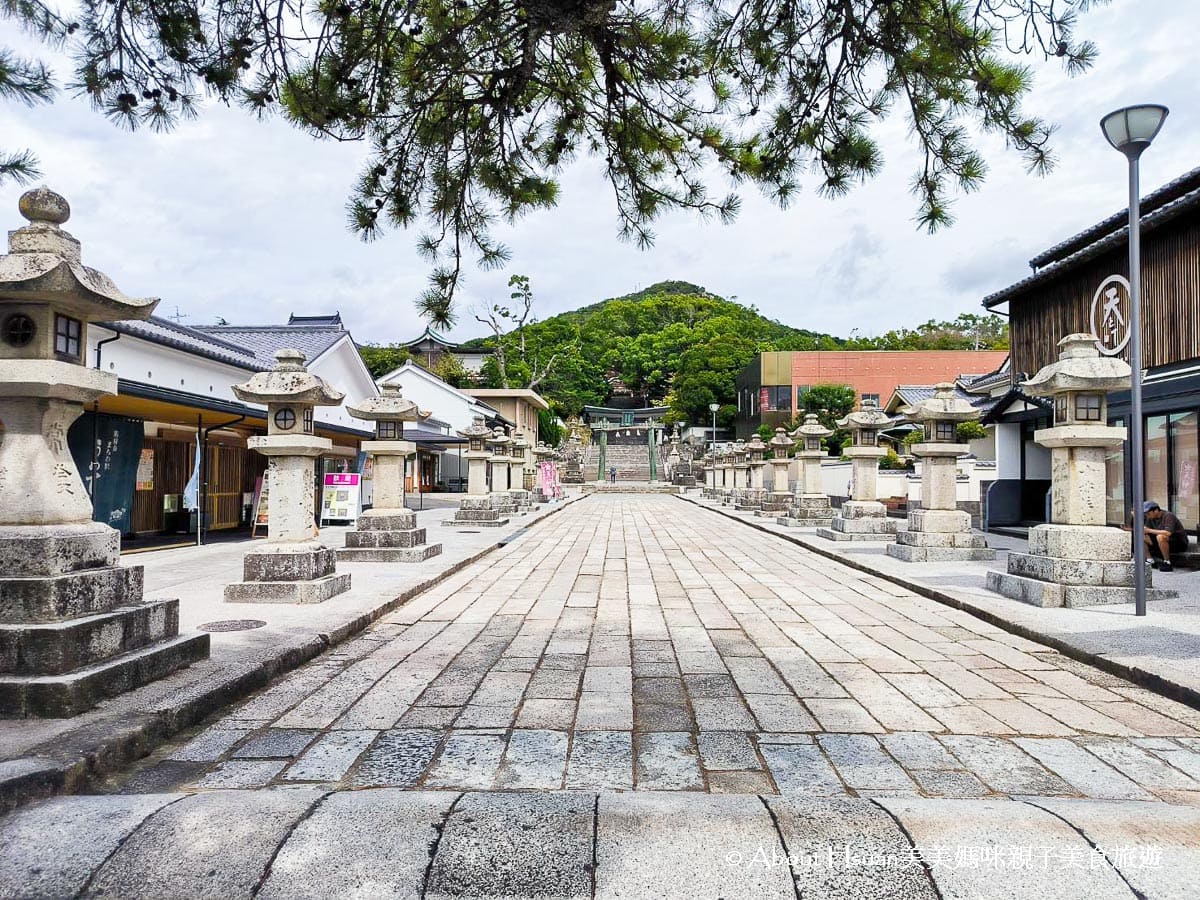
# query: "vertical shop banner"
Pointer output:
{"type": "Point", "coordinates": [340, 499]}
{"type": "Point", "coordinates": [107, 450]}
{"type": "Point", "coordinates": [260, 516]}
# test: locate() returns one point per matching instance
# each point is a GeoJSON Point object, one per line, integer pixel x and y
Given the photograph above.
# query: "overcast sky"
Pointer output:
{"type": "Point", "coordinates": [229, 217]}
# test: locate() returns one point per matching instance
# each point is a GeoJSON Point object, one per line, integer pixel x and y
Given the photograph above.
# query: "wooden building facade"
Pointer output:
{"type": "Point", "coordinates": [1062, 297]}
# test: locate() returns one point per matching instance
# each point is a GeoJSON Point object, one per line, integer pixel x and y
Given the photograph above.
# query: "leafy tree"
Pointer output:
{"type": "Point", "coordinates": [450, 369]}
{"type": "Point", "coordinates": [968, 332]}
{"type": "Point", "coordinates": [474, 107]}
{"type": "Point", "coordinates": [548, 428]}
{"type": "Point", "coordinates": [830, 402]}
{"type": "Point", "coordinates": [383, 358]}
{"type": "Point", "coordinates": [27, 81]}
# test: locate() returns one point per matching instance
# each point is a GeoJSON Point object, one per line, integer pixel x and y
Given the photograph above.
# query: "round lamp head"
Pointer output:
{"type": "Point", "coordinates": [713, 407]}
{"type": "Point", "coordinates": [1131, 129]}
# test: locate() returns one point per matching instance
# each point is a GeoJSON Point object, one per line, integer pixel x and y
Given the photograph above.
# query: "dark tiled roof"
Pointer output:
{"type": "Point", "coordinates": [264, 340]}
{"type": "Point", "coordinates": [1169, 192]}
{"type": "Point", "coordinates": [190, 340]}
{"type": "Point", "coordinates": [912, 394]}
{"type": "Point", "coordinates": [1105, 239]}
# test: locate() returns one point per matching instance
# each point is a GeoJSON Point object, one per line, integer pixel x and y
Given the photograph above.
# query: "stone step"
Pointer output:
{"type": "Point", "coordinates": [54, 648]}
{"type": "Point", "coordinates": [83, 593]}
{"type": "Point", "coordinates": [58, 696]}
{"type": "Point", "coordinates": [418, 553]}
{"type": "Point", "coordinates": [318, 590]}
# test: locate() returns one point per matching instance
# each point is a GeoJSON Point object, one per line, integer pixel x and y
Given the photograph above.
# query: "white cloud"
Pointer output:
{"type": "Point", "coordinates": [233, 218]}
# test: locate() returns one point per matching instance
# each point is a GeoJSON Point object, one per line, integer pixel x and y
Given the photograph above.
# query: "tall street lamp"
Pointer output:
{"type": "Point", "coordinates": [1131, 130]}
{"type": "Point", "coordinates": [712, 408]}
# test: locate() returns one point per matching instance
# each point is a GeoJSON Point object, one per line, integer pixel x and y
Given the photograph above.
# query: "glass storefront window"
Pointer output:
{"type": "Point", "coordinates": [1156, 459]}
{"type": "Point", "coordinates": [1184, 498]}
{"type": "Point", "coordinates": [1114, 469]}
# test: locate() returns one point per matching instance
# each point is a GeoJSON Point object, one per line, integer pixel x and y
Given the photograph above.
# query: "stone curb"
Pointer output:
{"type": "Point", "coordinates": [1152, 681]}
{"type": "Point", "coordinates": [69, 764]}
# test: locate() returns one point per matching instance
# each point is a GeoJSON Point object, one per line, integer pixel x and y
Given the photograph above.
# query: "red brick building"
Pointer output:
{"type": "Point", "coordinates": [769, 386]}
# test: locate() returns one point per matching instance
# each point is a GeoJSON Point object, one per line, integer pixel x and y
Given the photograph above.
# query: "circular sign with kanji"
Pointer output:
{"type": "Point", "coordinates": [1111, 315]}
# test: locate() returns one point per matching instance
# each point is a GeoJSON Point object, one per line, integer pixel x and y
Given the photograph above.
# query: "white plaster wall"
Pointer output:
{"type": "Point", "coordinates": [835, 476]}
{"type": "Point", "coordinates": [1037, 461]}
{"type": "Point", "coordinates": [343, 370]}
{"type": "Point", "coordinates": [1008, 450]}
{"type": "Point", "coordinates": [138, 360]}
{"type": "Point", "coordinates": [453, 408]}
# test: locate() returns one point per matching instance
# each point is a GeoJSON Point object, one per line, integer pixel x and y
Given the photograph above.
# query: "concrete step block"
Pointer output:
{"type": "Point", "coordinates": [53, 648]}
{"type": "Point", "coordinates": [1073, 571]}
{"type": "Point", "coordinates": [300, 565]}
{"type": "Point", "coordinates": [58, 597]}
{"type": "Point", "coordinates": [316, 591]}
{"type": "Point", "coordinates": [917, 553]}
{"type": "Point", "coordinates": [391, 520]}
{"type": "Point", "coordinates": [48, 550]}
{"type": "Point", "coordinates": [389, 554]}
{"type": "Point", "coordinates": [1049, 594]}
{"type": "Point", "coordinates": [412, 537]}
{"type": "Point", "coordinates": [55, 696]}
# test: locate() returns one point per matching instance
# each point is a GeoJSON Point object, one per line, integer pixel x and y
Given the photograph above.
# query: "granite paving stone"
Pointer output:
{"type": "Point", "coordinates": [667, 760]}
{"type": "Point", "coordinates": [516, 845]}
{"type": "Point", "coordinates": [330, 758]}
{"type": "Point", "coordinates": [398, 758]}
{"type": "Point", "coordinates": [364, 844]}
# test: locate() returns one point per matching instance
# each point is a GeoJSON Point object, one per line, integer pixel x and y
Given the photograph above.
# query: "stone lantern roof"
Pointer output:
{"type": "Point", "coordinates": [542, 451]}
{"type": "Point", "coordinates": [869, 416]}
{"type": "Point", "coordinates": [499, 439]}
{"type": "Point", "coordinates": [1080, 367]}
{"type": "Point", "coordinates": [756, 445]}
{"type": "Point", "coordinates": [945, 406]}
{"type": "Point", "coordinates": [288, 382]}
{"type": "Point", "coordinates": [389, 406]}
{"type": "Point", "coordinates": [781, 443]}
{"type": "Point", "coordinates": [476, 430]}
{"type": "Point", "coordinates": [43, 266]}
{"type": "Point", "coordinates": [812, 428]}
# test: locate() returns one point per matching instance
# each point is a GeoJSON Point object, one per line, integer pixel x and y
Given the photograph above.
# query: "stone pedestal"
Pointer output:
{"type": "Point", "coordinates": [74, 628]}
{"type": "Point", "coordinates": [476, 510]}
{"type": "Point", "coordinates": [863, 518]}
{"type": "Point", "coordinates": [293, 566]}
{"type": "Point", "coordinates": [939, 530]}
{"type": "Point", "coordinates": [1076, 560]}
{"type": "Point", "coordinates": [779, 499]}
{"type": "Point", "coordinates": [388, 532]}
{"type": "Point", "coordinates": [810, 504]}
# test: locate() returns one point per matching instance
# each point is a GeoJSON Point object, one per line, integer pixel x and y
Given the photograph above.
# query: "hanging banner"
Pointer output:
{"type": "Point", "coordinates": [261, 514]}
{"type": "Point", "coordinates": [341, 498]}
{"type": "Point", "coordinates": [106, 451]}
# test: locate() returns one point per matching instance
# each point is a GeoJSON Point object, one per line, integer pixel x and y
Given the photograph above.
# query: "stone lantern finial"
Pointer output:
{"type": "Point", "coordinates": [42, 205]}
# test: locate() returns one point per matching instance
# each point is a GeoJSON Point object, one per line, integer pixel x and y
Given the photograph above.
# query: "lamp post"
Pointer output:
{"type": "Point", "coordinates": [712, 408]}
{"type": "Point", "coordinates": [1131, 130]}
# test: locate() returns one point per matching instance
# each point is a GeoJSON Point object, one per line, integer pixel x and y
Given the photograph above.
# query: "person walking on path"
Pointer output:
{"type": "Point", "coordinates": [612, 474]}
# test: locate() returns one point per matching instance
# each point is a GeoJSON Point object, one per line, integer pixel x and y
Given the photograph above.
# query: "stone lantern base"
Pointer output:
{"type": "Point", "coordinates": [776, 503]}
{"type": "Point", "coordinates": [1073, 565]}
{"type": "Point", "coordinates": [288, 573]}
{"type": "Point", "coordinates": [478, 512]}
{"type": "Point", "coordinates": [522, 501]}
{"type": "Point", "coordinates": [860, 520]}
{"type": "Point", "coordinates": [75, 627]}
{"type": "Point", "coordinates": [387, 536]}
{"type": "Point", "coordinates": [937, 535]}
{"type": "Point", "coordinates": [750, 499]}
{"type": "Point", "coordinates": [807, 511]}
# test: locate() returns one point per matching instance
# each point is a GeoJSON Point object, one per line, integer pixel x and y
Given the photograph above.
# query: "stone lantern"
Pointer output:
{"type": "Point", "coordinates": [1076, 559]}
{"type": "Point", "coordinates": [780, 498]}
{"type": "Point", "coordinates": [517, 492]}
{"type": "Point", "coordinates": [939, 530]}
{"type": "Point", "coordinates": [73, 626]}
{"type": "Point", "coordinates": [755, 493]}
{"type": "Point", "coordinates": [292, 566]}
{"type": "Point", "coordinates": [499, 443]}
{"type": "Point", "coordinates": [541, 454]}
{"type": "Point", "coordinates": [388, 531]}
{"type": "Point", "coordinates": [573, 470]}
{"type": "Point", "coordinates": [810, 506]}
{"type": "Point", "coordinates": [862, 517]}
{"type": "Point", "coordinates": [740, 467]}
{"type": "Point", "coordinates": [475, 509]}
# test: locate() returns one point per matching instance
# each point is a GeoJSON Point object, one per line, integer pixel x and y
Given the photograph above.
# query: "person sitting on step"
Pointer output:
{"type": "Point", "coordinates": [1164, 534]}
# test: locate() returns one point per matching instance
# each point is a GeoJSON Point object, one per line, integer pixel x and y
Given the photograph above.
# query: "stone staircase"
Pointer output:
{"type": "Point", "coordinates": [632, 461]}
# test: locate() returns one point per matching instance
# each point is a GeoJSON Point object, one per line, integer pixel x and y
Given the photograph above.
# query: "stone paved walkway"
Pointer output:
{"type": "Point", "coordinates": [639, 698]}
{"type": "Point", "coordinates": [634, 643]}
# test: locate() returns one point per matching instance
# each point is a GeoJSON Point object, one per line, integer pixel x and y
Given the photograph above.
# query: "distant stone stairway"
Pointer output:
{"type": "Point", "coordinates": [631, 460]}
